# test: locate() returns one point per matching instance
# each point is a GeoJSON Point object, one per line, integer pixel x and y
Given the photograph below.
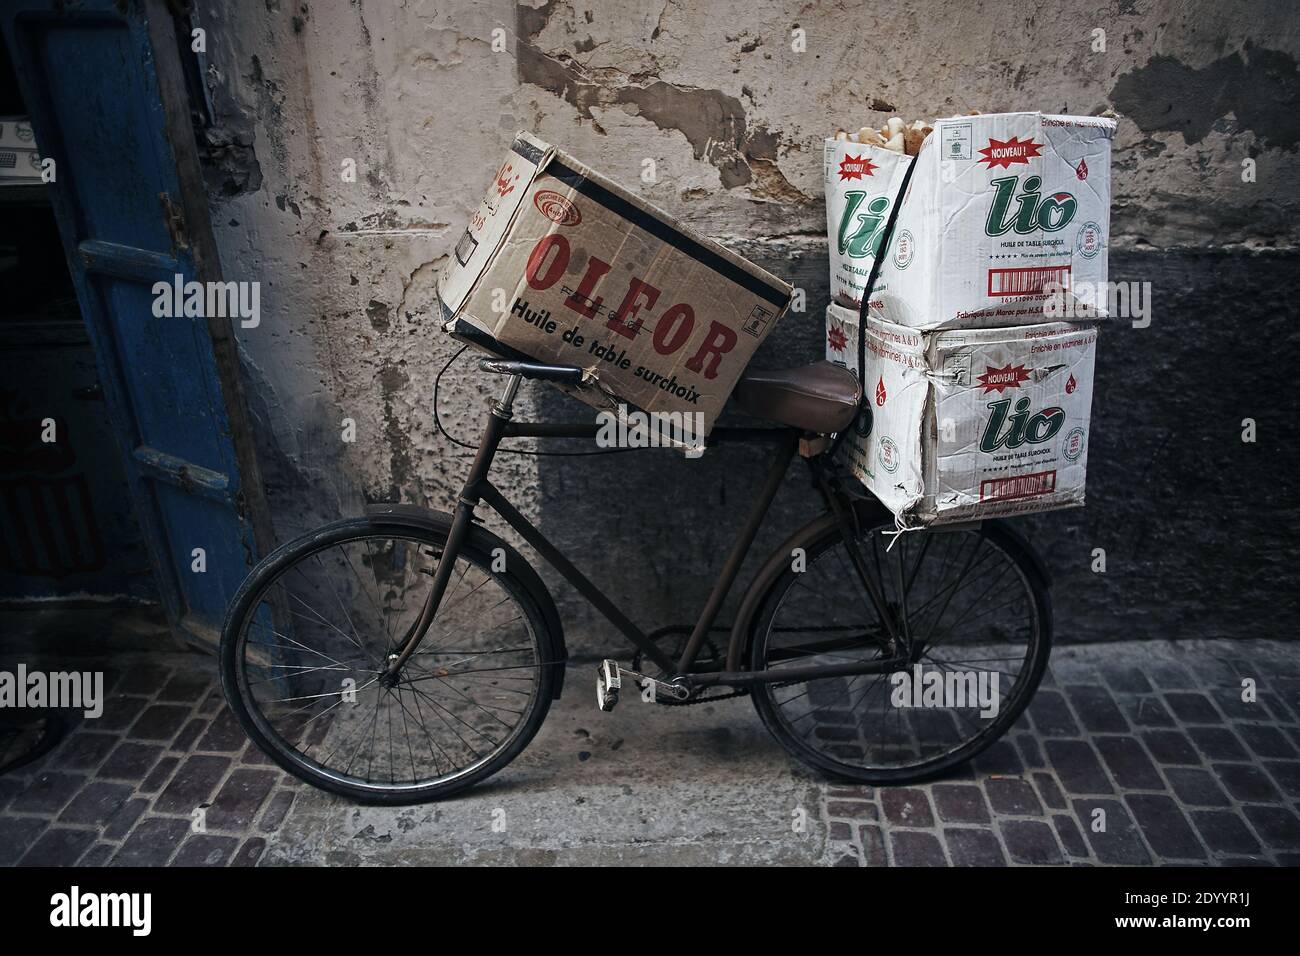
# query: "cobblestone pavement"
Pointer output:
{"type": "Point", "coordinates": [1155, 736]}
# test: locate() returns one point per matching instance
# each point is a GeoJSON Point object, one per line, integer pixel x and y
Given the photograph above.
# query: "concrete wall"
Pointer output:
{"type": "Point", "coordinates": [424, 98]}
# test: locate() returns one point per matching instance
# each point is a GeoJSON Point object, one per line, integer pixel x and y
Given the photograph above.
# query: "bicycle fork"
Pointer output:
{"type": "Point", "coordinates": [500, 413]}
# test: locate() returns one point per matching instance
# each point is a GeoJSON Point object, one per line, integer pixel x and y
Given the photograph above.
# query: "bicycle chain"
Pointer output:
{"type": "Point", "coordinates": [669, 702]}
{"type": "Point", "coordinates": [737, 692]}
{"type": "Point", "coordinates": [729, 695]}
{"type": "Point", "coordinates": [672, 702]}
{"type": "Point", "coordinates": [713, 650]}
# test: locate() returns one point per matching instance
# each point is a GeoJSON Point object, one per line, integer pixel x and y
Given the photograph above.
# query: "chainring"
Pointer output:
{"type": "Point", "coordinates": [675, 636]}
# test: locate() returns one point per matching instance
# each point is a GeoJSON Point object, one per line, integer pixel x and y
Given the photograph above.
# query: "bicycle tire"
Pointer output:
{"type": "Point", "coordinates": [477, 553]}
{"type": "Point", "coordinates": [819, 540]}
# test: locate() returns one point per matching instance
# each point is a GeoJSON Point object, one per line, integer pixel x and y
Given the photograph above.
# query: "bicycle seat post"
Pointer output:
{"type": "Point", "coordinates": [503, 407]}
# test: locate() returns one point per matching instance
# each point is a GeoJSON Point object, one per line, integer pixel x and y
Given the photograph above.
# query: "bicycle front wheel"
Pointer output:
{"type": "Point", "coordinates": [308, 636]}
{"type": "Point", "coordinates": [971, 637]}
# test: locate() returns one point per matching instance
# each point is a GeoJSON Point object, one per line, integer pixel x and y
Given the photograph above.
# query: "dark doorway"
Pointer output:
{"type": "Point", "coordinates": [67, 530]}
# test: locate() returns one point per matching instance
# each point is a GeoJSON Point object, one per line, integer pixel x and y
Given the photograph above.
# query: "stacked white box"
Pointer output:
{"type": "Point", "coordinates": [1001, 210]}
{"type": "Point", "coordinates": [977, 403]}
{"type": "Point", "coordinates": [960, 424]}
{"type": "Point", "coordinates": [19, 160]}
{"type": "Point", "coordinates": [861, 183]}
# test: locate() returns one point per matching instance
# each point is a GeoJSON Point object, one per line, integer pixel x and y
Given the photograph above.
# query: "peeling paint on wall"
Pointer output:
{"type": "Point", "coordinates": [423, 99]}
{"type": "Point", "coordinates": [713, 122]}
{"type": "Point", "coordinates": [1257, 86]}
{"type": "Point", "coordinates": [393, 384]}
{"type": "Point", "coordinates": [230, 166]}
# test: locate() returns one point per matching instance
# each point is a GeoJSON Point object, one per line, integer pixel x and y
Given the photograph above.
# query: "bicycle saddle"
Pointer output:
{"type": "Point", "coordinates": [822, 397]}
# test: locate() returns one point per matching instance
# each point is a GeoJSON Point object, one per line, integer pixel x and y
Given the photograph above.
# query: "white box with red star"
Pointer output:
{"type": "Point", "coordinates": [861, 183]}
{"type": "Point", "coordinates": [963, 424]}
{"type": "Point", "coordinates": [1003, 213]}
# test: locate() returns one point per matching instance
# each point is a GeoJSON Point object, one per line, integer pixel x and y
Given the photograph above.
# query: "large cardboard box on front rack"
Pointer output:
{"type": "Point", "coordinates": [1002, 212]}
{"type": "Point", "coordinates": [559, 264]}
{"type": "Point", "coordinates": [861, 184]}
{"type": "Point", "coordinates": [969, 423]}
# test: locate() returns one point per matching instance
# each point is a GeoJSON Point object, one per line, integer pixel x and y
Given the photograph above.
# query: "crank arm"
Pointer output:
{"type": "Point", "coordinates": [609, 684]}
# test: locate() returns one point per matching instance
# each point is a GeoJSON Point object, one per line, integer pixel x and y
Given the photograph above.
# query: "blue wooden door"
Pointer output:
{"type": "Point", "coordinates": [103, 82]}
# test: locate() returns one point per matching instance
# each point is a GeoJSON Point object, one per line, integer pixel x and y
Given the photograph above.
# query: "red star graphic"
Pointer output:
{"type": "Point", "coordinates": [1000, 379]}
{"type": "Point", "coordinates": [998, 153]}
{"type": "Point", "coordinates": [855, 167]}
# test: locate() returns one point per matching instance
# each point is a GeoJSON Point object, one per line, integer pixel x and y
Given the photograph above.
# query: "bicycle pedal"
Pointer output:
{"type": "Point", "coordinates": [608, 683]}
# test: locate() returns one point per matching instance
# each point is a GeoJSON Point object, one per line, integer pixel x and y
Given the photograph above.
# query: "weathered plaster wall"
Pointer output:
{"type": "Point", "coordinates": [424, 98]}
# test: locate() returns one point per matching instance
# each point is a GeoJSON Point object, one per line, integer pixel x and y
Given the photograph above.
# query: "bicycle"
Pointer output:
{"type": "Point", "coordinates": [461, 648]}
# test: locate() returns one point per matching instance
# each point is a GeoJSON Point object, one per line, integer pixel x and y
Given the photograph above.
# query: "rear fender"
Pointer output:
{"type": "Point", "coordinates": [773, 568]}
{"type": "Point", "coordinates": [868, 511]}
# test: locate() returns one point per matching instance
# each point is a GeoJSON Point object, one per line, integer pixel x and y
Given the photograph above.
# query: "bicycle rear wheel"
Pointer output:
{"type": "Point", "coordinates": [977, 619]}
{"type": "Point", "coordinates": [307, 638]}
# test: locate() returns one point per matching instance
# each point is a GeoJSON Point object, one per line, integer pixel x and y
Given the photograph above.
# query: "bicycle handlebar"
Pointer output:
{"type": "Point", "coordinates": [561, 374]}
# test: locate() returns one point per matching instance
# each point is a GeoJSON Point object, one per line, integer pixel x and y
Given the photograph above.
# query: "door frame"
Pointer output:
{"type": "Point", "coordinates": [189, 223]}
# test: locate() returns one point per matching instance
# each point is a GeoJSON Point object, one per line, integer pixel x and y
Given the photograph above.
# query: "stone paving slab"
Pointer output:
{"type": "Point", "coordinates": [1137, 753]}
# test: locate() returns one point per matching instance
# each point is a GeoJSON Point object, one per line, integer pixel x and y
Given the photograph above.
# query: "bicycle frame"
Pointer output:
{"type": "Point", "coordinates": [479, 489]}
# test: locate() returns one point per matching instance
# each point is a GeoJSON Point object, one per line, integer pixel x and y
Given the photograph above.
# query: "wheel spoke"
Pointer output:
{"type": "Point", "coordinates": [314, 688]}
{"type": "Point", "coordinates": [966, 594]}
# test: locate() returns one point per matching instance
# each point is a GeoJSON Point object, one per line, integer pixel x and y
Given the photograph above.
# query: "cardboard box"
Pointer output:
{"type": "Point", "coordinates": [861, 183]}
{"type": "Point", "coordinates": [19, 160]}
{"type": "Point", "coordinates": [970, 423]}
{"type": "Point", "coordinates": [1001, 211]}
{"type": "Point", "coordinates": [561, 265]}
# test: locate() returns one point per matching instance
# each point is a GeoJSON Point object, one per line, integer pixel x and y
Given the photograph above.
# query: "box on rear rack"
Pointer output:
{"type": "Point", "coordinates": [861, 182]}
{"type": "Point", "coordinates": [561, 265]}
{"type": "Point", "coordinates": [962, 424]}
{"type": "Point", "coordinates": [1003, 213]}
